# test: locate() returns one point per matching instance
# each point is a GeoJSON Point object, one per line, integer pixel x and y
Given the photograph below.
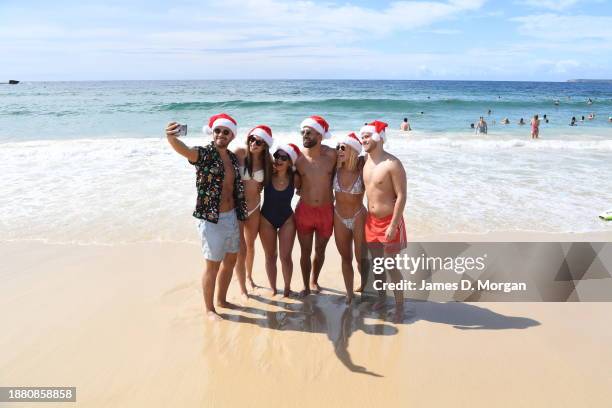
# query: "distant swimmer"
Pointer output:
{"type": "Point", "coordinates": [521, 122]}
{"type": "Point", "coordinates": [591, 116]}
{"type": "Point", "coordinates": [505, 121]}
{"type": "Point", "coordinates": [573, 122]}
{"type": "Point", "coordinates": [535, 127]}
{"type": "Point", "coordinates": [405, 126]}
{"type": "Point", "coordinates": [556, 102]}
{"type": "Point", "coordinates": [582, 118]}
{"type": "Point", "coordinates": [422, 113]}
{"type": "Point", "coordinates": [544, 116]}
{"type": "Point", "coordinates": [489, 112]}
{"type": "Point", "coordinates": [481, 127]}
{"type": "Point", "coordinates": [471, 125]}
{"type": "Point", "coordinates": [609, 118]}
{"type": "Point", "coordinates": [589, 101]}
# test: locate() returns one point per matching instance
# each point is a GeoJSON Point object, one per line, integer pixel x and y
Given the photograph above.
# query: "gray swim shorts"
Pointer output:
{"type": "Point", "coordinates": [220, 238]}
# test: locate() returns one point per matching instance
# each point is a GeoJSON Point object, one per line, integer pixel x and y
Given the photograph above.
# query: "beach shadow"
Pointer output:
{"type": "Point", "coordinates": [327, 314]}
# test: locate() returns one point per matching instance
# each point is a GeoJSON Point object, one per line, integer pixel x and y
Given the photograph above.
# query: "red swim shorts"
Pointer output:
{"type": "Point", "coordinates": [309, 219]}
{"type": "Point", "coordinates": [375, 229]}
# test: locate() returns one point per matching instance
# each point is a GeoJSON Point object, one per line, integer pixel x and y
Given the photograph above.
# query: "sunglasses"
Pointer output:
{"type": "Point", "coordinates": [225, 132]}
{"type": "Point", "coordinates": [280, 156]}
{"type": "Point", "coordinates": [257, 142]}
{"type": "Point", "coordinates": [306, 132]}
{"type": "Point", "coordinates": [341, 147]}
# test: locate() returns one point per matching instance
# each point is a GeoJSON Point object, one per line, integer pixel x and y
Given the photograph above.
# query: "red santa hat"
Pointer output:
{"type": "Point", "coordinates": [377, 129]}
{"type": "Point", "coordinates": [221, 119]}
{"type": "Point", "coordinates": [263, 132]}
{"type": "Point", "coordinates": [292, 150]}
{"type": "Point", "coordinates": [353, 141]}
{"type": "Point", "coordinates": [317, 123]}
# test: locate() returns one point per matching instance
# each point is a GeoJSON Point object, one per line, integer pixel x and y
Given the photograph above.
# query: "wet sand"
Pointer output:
{"type": "Point", "coordinates": [124, 324]}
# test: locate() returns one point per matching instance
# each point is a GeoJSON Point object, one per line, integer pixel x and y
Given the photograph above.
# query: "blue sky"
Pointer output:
{"type": "Point", "coordinates": [550, 40]}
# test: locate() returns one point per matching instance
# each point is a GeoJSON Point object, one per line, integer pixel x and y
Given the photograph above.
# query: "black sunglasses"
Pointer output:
{"type": "Point", "coordinates": [225, 132]}
{"type": "Point", "coordinates": [341, 147]}
{"type": "Point", "coordinates": [252, 139]}
{"type": "Point", "coordinates": [280, 156]}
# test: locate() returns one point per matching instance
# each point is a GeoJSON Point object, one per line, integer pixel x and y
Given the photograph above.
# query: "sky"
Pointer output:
{"type": "Point", "coordinates": [531, 40]}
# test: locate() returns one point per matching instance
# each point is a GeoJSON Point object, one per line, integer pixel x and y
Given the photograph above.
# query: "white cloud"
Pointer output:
{"type": "Point", "coordinates": [554, 27]}
{"type": "Point", "coordinates": [554, 5]}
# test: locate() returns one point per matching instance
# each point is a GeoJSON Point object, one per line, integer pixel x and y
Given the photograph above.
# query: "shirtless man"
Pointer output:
{"type": "Point", "coordinates": [314, 214]}
{"type": "Point", "coordinates": [220, 205]}
{"type": "Point", "coordinates": [385, 186]}
{"type": "Point", "coordinates": [405, 126]}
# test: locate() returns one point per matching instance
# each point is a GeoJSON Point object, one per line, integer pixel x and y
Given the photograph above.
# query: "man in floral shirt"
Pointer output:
{"type": "Point", "coordinates": [220, 204]}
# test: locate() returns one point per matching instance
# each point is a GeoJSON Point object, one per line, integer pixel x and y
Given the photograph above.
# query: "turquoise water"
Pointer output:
{"type": "Point", "coordinates": [87, 161]}
{"type": "Point", "coordinates": [58, 110]}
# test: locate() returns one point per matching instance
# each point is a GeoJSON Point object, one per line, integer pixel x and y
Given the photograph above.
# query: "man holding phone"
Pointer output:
{"type": "Point", "coordinates": [220, 204]}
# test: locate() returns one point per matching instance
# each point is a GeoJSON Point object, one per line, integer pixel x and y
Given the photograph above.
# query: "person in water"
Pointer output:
{"type": "Point", "coordinates": [255, 170]}
{"type": "Point", "coordinates": [505, 121]}
{"type": "Point", "coordinates": [522, 121]}
{"type": "Point", "coordinates": [349, 212]}
{"type": "Point", "coordinates": [535, 127]}
{"type": "Point", "coordinates": [405, 126]}
{"type": "Point", "coordinates": [481, 127]}
{"type": "Point", "coordinates": [277, 223]}
{"type": "Point", "coordinates": [573, 122]}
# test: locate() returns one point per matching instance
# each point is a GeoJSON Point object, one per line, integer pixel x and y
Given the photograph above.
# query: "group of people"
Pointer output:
{"type": "Point", "coordinates": [481, 127]}
{"type": "Point", "coordinates": [331, 184]}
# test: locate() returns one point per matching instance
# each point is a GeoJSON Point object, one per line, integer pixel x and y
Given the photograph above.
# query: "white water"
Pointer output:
{"type": "Point", "coordinates": [115, 190]}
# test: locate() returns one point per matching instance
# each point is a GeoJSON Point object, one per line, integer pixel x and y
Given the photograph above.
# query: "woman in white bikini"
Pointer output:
{"type": "Point", "coordinates": [255, 170]}
{"type": "Point", "coordinates": [349, 212]}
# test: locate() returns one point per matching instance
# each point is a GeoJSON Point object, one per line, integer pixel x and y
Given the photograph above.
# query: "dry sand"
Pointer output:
{"type": "Point", "coordinates": [124, 325]}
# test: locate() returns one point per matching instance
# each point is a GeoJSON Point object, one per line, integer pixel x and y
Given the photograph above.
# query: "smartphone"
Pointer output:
{"type": "Point", "coordinates": [182, 131]}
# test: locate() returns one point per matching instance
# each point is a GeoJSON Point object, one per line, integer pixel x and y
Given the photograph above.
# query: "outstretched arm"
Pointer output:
{"type": "Point", "coordinates": [191, 153]}
{"type": "Point", "coordinates": [398, 179]}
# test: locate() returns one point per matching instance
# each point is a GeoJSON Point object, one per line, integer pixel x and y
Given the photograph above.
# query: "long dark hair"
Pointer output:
{"type": "Point", "coordinates": [267, 162]}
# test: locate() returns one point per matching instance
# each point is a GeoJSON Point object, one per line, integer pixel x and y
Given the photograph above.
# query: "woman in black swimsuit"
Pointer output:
{"type": "Point", "coordinates": [276, 222]}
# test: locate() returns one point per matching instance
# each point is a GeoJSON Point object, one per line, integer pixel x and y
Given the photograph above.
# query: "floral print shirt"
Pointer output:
{"type": "Point", "coordinates": [209, 181]}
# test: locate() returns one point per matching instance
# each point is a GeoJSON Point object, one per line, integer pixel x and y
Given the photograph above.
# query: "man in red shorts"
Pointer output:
{"type": "Point", "coordinates": [314, 214]}
{"type": "Point", "coordinates": [385, 186]}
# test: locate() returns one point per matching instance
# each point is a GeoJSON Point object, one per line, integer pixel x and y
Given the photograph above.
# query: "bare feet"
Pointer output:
{"type": "Point", "coordinates": [273, 292]}
{"type": "Point", "coordinates": [359, 289]}
{"type": "Point", "coordinates": [244, 298]}
{"type": "Point", "coordinates": [251, 283]}
{"type": "Point", "coordinates": [398, 314]}
{"type": "Point", "coordinates": [227, 305]}
{"type": "Point", "coordinates": [349, 299]}
{"type": "Point", "coordinates": [379, 304]}
{"type": "Point", "coordinates": [213, 316]}
{"type": "Point", "coordinates": [314, 287]}
{"type": "Point", "coordinates": [304, 293]}
{"type": "Point", "coordinates": [287, 293]}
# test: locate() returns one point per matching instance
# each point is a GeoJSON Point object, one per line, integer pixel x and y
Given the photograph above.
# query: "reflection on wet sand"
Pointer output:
{"type": "Point", "coordinates": [328, 314]}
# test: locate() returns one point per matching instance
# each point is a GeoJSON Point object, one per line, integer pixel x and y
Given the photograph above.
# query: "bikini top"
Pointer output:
{"type": "Point", "coordinates": [356, 188]}
{"type": "Point", "coordinates": [258, 175]}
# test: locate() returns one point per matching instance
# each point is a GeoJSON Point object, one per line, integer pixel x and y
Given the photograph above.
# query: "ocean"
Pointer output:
{"type": "Point", "coordinates": [87, 161]}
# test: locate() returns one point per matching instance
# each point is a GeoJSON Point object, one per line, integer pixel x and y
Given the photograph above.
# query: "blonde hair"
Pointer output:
{"type": "Point", "coordinates": [351, 161]}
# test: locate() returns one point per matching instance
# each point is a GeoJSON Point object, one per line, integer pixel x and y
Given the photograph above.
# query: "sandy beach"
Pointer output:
{"type": "Point", "coordinates": [124, 324]}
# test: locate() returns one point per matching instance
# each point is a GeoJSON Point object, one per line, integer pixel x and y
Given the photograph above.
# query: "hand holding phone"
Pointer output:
{"type": "Point", "coordinates": [182, 131]}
